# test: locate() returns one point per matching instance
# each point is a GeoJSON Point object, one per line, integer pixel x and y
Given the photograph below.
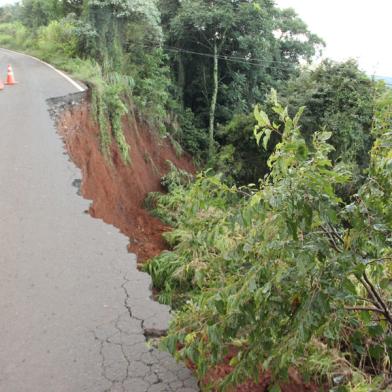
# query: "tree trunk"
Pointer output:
{"type": "Point", "coordinates": [181, 80]}
{"type": "Point", "coordinates": [213, 103]}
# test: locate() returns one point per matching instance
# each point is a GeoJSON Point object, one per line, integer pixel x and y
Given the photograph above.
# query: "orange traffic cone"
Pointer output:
{"type": "Point", "coordinates": [10, 77]}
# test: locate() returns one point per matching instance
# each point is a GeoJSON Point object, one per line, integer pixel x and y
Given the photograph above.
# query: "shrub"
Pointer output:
{"type": "Point", "coordinates": [287, 274]}
{"type": "Point", "coordinates": [57, 40]}
{"type": "Point", "coordinates": [14, 35]}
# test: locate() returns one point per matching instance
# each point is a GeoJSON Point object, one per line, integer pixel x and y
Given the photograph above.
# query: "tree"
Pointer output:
{"type": "Point", "coordinates": [228, 53]}
{"type": "Point", "coordinates": [73, 7]}
{"type": "Point", "coordinates": [9, 13]}
{"type": "Point", "coordinates": [208, 25]}
{"type": "Point", "coordinates": [339, 97]}
{"type": "Point", "coordinates": [112, 21]}
{"type": "Point", "coordinates": [36, 13]}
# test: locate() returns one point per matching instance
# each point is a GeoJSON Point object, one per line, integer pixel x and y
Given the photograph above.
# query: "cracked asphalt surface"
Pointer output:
{"type": "Point", "coordinates": [73, 307]}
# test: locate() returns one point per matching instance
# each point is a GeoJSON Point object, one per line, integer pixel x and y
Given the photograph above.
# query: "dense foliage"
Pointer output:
{"type": "Point", "coordinates": [338, 97]}
{"type": "Point", "coordinates": [286, 274]}
{"type": "Point", "coordinates": [231, 53]}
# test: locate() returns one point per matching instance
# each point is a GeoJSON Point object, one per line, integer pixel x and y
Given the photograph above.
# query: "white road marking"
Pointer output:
{"type": "Point", "coordinates": [66, 77]}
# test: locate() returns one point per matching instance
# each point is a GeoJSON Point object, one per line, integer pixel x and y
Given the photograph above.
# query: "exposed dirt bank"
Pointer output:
{"type": "Point", "coordinates": [118, 190]}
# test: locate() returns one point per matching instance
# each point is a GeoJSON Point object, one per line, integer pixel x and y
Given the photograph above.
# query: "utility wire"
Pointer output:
{"type": "Point", "coordinates": [257, 61]}
{"type": "Point", "coordinates": [265, 63]}
{"type": "Point", "coordinates": [240, 60]}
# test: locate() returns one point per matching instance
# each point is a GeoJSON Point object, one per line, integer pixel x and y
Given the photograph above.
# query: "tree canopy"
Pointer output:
{"type": "Point", "coordinates": [233, 52]}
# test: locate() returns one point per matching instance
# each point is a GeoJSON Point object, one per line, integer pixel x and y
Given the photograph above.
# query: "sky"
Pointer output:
{"type": "Point", "coordinates": [4, 2]}
{"type": "Point", "coordinates": [359, 29]}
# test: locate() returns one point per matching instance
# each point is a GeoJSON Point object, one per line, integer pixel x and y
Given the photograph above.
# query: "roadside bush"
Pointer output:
{"type": "Point", "coordinates": [57, 40]}
{"type": "Point", "coordinates": [287, 275]}
{"type": "Point", "coordinates": [14, 35]}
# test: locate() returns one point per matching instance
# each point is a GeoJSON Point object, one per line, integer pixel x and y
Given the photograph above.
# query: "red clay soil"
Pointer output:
{"type": "Point", "coordinates": [118, 190]}
{"type": "Point", "coordinates": [295, 383]}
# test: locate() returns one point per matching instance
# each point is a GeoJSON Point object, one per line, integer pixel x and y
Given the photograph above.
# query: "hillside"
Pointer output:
{"type": "Point", "coordinates": [269, 233]}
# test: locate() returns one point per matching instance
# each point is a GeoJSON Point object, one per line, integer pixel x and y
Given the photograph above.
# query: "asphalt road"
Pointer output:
{"type": "Point", "coordinates": [72, 303]}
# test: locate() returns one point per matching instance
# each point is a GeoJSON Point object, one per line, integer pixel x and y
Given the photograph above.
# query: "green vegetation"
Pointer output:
{"type": "Point", "coordinates": [247, 46]}
{"type": "Point", "coordinates": [287, 274]}
{"type": "Point", "coordinates": [338, 97]}
{"type": "Point", "coordinates": [281, 247]}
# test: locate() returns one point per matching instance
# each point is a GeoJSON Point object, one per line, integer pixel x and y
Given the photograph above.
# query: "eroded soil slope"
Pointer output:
{"type": "Point", "coordinates": [118, 190]}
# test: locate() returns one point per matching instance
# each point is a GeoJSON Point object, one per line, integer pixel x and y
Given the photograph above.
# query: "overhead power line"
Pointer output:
{"type": "Point", "coordinates": [236, 59]}
{"type": "Point", "coordinates": [256, 61]}
{"type": "Point", "coordinates": [241, 60]}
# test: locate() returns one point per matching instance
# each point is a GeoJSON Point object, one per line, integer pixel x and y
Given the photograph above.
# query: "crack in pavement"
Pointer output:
{"type": "Point", "coordinates": [127, 362]}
